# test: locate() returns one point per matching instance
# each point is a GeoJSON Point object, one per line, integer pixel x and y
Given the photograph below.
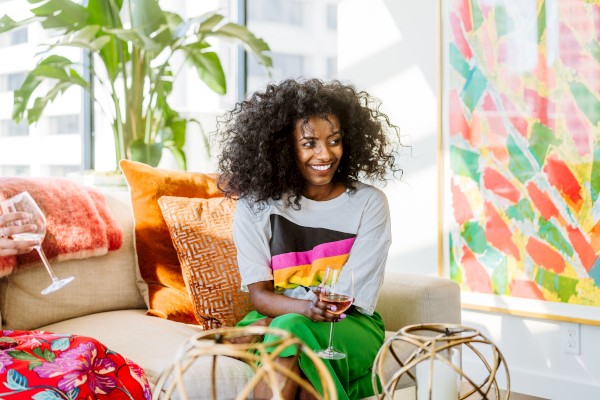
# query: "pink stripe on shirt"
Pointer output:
{"type": "Point", "coordinates": [324, 250]}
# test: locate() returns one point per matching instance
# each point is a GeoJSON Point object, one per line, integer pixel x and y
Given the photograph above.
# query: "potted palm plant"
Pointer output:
{"type": "Point", "coordinates": [132, 44]}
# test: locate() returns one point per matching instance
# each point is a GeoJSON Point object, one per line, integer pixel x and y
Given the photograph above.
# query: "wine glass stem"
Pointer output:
{"type": "Point", "coordinates": [46, 263]}
{"type": "Point", "coordinates": [330, 337]}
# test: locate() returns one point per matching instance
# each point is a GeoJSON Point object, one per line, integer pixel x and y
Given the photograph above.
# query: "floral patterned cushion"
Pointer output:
{"type": "Point", "coordinates": [48, 366]}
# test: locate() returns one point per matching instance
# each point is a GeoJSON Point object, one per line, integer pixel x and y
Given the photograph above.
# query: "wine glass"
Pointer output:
{"type": "Point", "coordinates": [23, 202]}
{"type": "Point", "coordinates": [341, 301]}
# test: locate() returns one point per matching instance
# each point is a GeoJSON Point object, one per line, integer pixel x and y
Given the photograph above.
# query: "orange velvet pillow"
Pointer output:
{"type": "Point", "coordinates": [202, 232]}
{"type": "Point", "coordinates": [159, 267]}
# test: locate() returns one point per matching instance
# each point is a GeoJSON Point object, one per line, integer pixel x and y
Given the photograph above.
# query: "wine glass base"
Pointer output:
{"type": "Point", "coordinates": [57, 284]}
{"type": "Point", "coordinates": [330, 354]}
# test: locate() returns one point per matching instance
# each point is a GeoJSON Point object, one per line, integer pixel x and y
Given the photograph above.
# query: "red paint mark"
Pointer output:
{"type": "Point", "coordinates": [498, 233]}
{"type": "Point", "coordinates": [584, 249]}
{"type": "Point", "coordinates": [515, 116]}
{"type": "Point", "coordinates": [560, 176]}
{"type": "Point", "coordinates": [459, 38]}
{"type": "Point", "coordinates": [545, 256]}
{"type": "Point", "coordinates": [539, 106]}
{"type": "Point", "coordinates": [497, 183]}
{"type": "Point", "coordinates": [465, 14]}
{"type": "Point", "coordinates": [476, 129]}
{"type": "Point", "coordinates": [578, 128]}
{"type": "Point", "coordinates": [458, 123]}
{"type": "Point", "coordinates": [542, 201]}
{"type": "Point", "coordinates": [477, 278]}
{"type": "Point", "coordinates": [526, 289]}
{"type": "Point", "coordinates": [460, 205]}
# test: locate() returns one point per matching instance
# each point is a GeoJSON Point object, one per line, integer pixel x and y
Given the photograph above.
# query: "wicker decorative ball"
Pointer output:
{"type": "Point", "coordinates": [244, 344]}
{"type": "Point", "coordinates": [425, 343]}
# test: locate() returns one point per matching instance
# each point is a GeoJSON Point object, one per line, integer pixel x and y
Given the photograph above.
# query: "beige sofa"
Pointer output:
{"type": "Point", "coordinates": [104, 302]}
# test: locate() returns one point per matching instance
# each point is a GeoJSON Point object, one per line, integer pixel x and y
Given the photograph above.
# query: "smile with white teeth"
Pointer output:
{"type": "Point", "coordinates": [321, 167]}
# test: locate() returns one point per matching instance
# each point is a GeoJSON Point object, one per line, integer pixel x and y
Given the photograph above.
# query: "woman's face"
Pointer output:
{"type": "Point", "coordinates": [318, 144]}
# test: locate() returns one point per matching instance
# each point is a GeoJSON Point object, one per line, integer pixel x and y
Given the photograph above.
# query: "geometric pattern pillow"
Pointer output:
{"type": "Point", "coordinates": [164, 288]}
{"type": "Point", "coordinates": [202, 233]}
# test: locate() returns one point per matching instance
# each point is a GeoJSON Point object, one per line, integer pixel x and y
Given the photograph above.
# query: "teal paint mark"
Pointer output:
{"type": "Point", "coordinates": [497, 262]}
{"type": "Point", "coordinates": [595, 272]}
{"type": "Point", "coordinates": [551, 234]}
{"type": "Point", "coordinates": [474, 88]}
{"type": "Point", "coordinates": [540, 140]}
{"type": "Point", "coordinates": [504, 24]}
{"type": "Point", "coordinates": [457, 61]}
{"type": "Point", "coordinates": [465, 163]}
{"type": "Point", "coordinates": [518, 164]}
{"type": "Point", "coordinates": [474, 236]}
{"type": "Point", "coordinates": [587, 102]}
{"type": "Point", "coordinates": [522, 211]}
{"type": "Point", "coordinates": [594, 49]}
{"type": "Point", "coordinates": [477, 15]}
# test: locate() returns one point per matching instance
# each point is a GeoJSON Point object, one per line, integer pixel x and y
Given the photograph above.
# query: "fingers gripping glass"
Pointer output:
{"type": "Point", "coordinates": [23, 202]}
{"type": "Point", "coordinates": [341, 301]}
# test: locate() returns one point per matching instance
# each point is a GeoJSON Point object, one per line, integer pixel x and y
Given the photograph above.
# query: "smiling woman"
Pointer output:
{"type": "Point", "coordinates": [295, 155]}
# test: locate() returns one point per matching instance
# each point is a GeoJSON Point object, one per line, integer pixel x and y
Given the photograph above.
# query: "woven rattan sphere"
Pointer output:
{"type": "Point", "coordinates": [415, 344]}
{"type": "Point", "coordinates": [243, 344]}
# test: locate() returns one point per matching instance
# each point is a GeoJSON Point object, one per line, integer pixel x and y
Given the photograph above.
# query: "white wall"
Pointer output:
{"type": "Point", "coordinates": [390, 48]}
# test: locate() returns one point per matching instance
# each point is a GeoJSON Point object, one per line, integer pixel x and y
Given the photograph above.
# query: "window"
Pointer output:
{"type": "Point", "coordinates": [284, 12]}
{"type": "Point", "coordinates": [13, 38]}
{"type": "Point", "coordinates": [8, 127]}
{"type": "Point", "coordinates": [63, 124]}
{"type": "Point", "coordinates": [331, 68]}
{"type": "Point", "coordinates": [15, 170]}
{"type": "Point", "coordinates": [11, 82]}
{"type": "Point", "coordinates": [304, 50]}
{"type": "Point", "coordinates": [62, 170]}
{"type": "Point", "coordinates": [331, 16]}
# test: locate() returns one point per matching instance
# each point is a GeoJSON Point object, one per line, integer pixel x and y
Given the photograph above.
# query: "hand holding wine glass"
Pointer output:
{"type": "Point", "coordinates": [341, 302]}
{"type": "Point", "coordinates": [25, 222]}
{"type": "Point", "coordinates": [8, 227]}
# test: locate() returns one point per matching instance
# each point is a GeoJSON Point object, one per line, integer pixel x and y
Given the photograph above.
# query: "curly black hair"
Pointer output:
{"type": "Point", "coordinates": [258, 159]}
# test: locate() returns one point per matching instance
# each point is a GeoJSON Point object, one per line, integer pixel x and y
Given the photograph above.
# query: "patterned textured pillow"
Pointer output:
{"type": "Point", "coordinates": [164, 289]}
{"type": "Point", "coordinates": [201, 230]}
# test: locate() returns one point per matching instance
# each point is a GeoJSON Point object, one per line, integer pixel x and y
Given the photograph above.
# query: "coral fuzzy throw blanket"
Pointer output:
{"type": "Point", "coordinates": [78, 222]}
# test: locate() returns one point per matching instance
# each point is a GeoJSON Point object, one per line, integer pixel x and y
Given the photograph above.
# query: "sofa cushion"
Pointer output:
{"type": "Point", "coordinates": [164, 288]}
{"type": "Point", "coordinates": [102, 283]}
{"type": "Point", "coordinates": [154, 344]}
{"type": "Point", "coordinates": [202, 232]}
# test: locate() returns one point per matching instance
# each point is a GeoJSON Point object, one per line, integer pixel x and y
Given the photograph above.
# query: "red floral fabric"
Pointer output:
{"type": "Point", "coordinates": [49, 366]}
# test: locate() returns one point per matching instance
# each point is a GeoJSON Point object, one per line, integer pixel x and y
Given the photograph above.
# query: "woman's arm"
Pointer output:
{"type": "Point", "coordinates": [270, 304]}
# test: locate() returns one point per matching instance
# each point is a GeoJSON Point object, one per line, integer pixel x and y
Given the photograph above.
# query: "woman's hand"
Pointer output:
{"type": "Point", "coordinates": [319, 311]}
{"type": "Point", "coordinates": [9, 246]}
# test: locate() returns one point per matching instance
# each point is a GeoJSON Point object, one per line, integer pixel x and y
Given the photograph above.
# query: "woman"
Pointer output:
{"type": "Point", "coordinates": [294, 155]}
{"type": "Point", "coordinates": [8, 246]}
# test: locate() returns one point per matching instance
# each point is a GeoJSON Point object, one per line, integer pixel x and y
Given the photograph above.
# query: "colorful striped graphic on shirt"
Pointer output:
{"type": "Point", "coordinates": [300, 254]}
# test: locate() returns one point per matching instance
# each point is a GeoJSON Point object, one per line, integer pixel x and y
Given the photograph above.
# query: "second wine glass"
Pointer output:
{"type": "Point", "coordinates": [23, 202]}
{"type": "Point", "coordinates": [341, 302]}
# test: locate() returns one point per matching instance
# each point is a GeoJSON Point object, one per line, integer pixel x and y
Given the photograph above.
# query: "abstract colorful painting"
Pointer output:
{"type": "Point", "coordinates": [521, 134]}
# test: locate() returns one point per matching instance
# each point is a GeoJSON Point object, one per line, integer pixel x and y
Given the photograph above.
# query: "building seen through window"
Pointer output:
{"type": "Point", "coordinates": [303, 41]}
{"type": "Point", "coordinates": [302, 35]}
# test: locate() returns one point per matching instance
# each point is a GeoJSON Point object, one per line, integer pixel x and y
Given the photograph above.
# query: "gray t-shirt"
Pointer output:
{"type": "Point", "coordinates": [293, 247]}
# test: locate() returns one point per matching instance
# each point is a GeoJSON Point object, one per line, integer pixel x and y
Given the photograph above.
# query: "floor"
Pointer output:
{"type": "Point", "coordinates": [409, 393]}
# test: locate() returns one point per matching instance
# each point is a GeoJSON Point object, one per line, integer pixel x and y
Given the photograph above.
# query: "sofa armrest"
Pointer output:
{"type": "Point", "coordinates": [407, 299]}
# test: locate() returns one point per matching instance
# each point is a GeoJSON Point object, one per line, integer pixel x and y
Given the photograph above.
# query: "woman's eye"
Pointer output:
{"type": "Point", "coordinates": [308, 145]}
{"type": "Point", "coordinates": [335, 142]}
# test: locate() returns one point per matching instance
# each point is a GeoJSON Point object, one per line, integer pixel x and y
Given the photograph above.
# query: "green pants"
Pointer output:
{"type": "Point", "coordinates": [359, 336]}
